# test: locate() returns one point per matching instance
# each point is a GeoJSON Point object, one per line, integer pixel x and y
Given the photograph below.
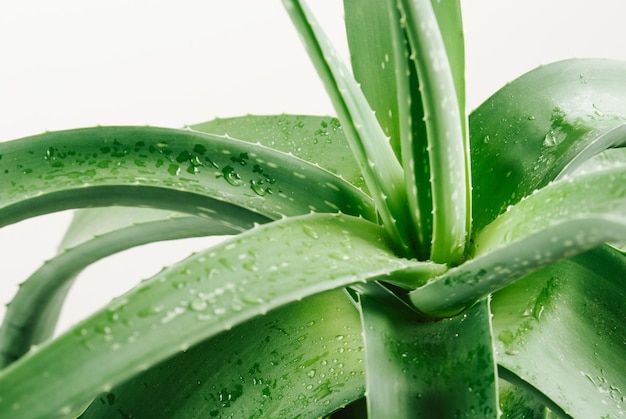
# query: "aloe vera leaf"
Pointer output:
{"type": "Point", "coordinates": [210, 292]}
{"type": "Point", "coordinates": [32, 314]}
{"type": "Point", "coordinates": [561, 220]}
{"type": "Point", "coordinates": [317, 139]}
{"type": "Point", "coordinates": [435, 369]}
{"type": "Point", "coordinates": [380, 168]}
{"type": "Point", "coordinates": [543, 124]}
{"type": "Point", "coordinates": [388, 78]}
{"type": "Point", "coordinates": [301, 360]}
{"type": "Point", "coordinates": [372, 55]}
{"type": "Point", "coordinates": [561, 329]}
{"type": "Point", "coordinates": [516, 402]}
{"type": "Point", "coordinates": [445, 133]}
{"type": "Point", "coordinates": [179, 170]}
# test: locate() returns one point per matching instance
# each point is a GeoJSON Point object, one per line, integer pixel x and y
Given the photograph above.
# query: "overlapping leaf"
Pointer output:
{"type": "Point", "coordinates": [557, 222]}
{"type": "Point", "coordinates": [562, 330]}
{"type": "Point", "coordinates": [302, 360]}
{"type": "Point", "coordinates": [181, 170]}
{"type": "Point", "coordinates": [541, 126]}
{"type": "Point", "coordinates": [435, 369]}
{"type": "Point", "coordinates": [32, 314]}
{"type": "Point", "coordinates": [206, 294]}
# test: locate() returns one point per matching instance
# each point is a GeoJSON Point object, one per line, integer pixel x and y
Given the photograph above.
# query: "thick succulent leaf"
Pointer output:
{"type": "Point", "coordinates": [380, 167]}
{"type": "Point", "coordinates": [317, 139]}
{"type": "Point", "coordinates": [179, 170]}
{"type": "Point", "coordinates": [373, 58]}
{"type": "Point", "coordinates": [210, 292]}
{"type": "Point", "coordinates": [32, 314]}
{"type": "Point", "coordinates": [445, 121]}
{"type": "Point", "coordinates": [381, 63]}
{"type": "Point", "coordinates": [559, 221]}
{"type": "Point", "coordinates": [450, 22]}
{"type": "Point", "coordinates": [543, 124]}
{"type": "Point", "coordinates": [516, 402]}
{"type": "Point", "coordinates": [434, 369]}
{"type": "Point", "coordinates": [562, 330]}
{"type": "Point", "coordinates": [301, 360]}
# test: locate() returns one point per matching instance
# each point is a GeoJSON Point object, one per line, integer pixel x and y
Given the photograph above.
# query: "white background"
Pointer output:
{"type": "Point", "coordinates": [75, 63]}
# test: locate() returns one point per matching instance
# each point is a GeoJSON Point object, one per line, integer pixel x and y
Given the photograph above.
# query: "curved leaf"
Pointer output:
{"type": "Point", "coordinates": [316, 139]}
{"type": "Point", "coordinates": [562, 330]}
{"type": "Point", "coordinates": [179, 170]}
{"type": "Point", "coordinates": [379, 166]}
{"type": "Point", "coordinates": [381, 63]}
{"type": "Point", "coordinates": [445, 121]}
{"type": "Point", "coordinates": [301, 360]}
{"type": "Point", "coordinates": [547, 121]}
{"type": "Point", "coordinates": [561, 220]}
{"type": "Point", "coordinates": [210, 292]}
{"type": "Point", "coordinates": [32, 314]}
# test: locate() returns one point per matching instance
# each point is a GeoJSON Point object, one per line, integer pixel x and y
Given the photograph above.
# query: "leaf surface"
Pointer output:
{"type": "Point", "coordinates": [561, 329]}
{"type": "Point", "coordinates": [542, 126]}
{"type": "Point", "coordinates": [381, 170]}
{"type": "Point", "coordinates": [178, 170]}
{"type": "Point", "coordinates": [559, 221]}
{"type": "Point", "coordinates": [301, 360]}
{"type": "Point", "coordinates": [208, 293]}
{"type": "Point", "coordinates": [317, 139]}
{"type": "Point", "coordinates": [32, 314]}
{"type": "Point", "coordinates": [435, 369]}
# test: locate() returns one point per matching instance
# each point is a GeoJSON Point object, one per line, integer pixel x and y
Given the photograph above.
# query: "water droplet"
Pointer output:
{"type": "Point", "coordinates": [173, 169]}
{"type": "Point", "coordinates": [198, 305]}
{"type": "Point", "coordinates": [310, 231]}
{"type": "Point", "coordinates": [232, 177]}
{"type": "Point", "coordinates": [257, 188]}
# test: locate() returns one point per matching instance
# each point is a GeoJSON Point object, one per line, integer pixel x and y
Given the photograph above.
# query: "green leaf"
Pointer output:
{"type": "Point", "coordinates": [411, 86]}
{"type": "Point", "coordinates": [179, 170]}
{"type": "Point", "coordinates": [32, 314]}
{"type": "Point", "coordinates": [380, 167]}
{"type": "Point", "coordinates": [210, 292]}
{"type": "Point", "coordinates": [445, 120]}
{"type": "Point", "coordinates": [435, 369]}
{"type": "Point", "coordinates": [316, 139]}
{"type": "Point", "coordinates": [543, 124]}
{"type": "Point", "coordinates": [304, 359]}
{"type": "Point", "coordinates": [559, 221]}
{"type": "Point", "coordinates": [562, 330]}
{"type": "Point", "coordinates": [373, 58]}
{"type": "Point", "coordinates": [516, 402]}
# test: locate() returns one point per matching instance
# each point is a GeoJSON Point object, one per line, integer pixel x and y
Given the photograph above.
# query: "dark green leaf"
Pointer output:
{"type": "Point", "coordinates": [548, 121]}
{"type": "Point", "coordinates": [440, 369]}
{"type": "Point", "coordinates": [562, 330]}
{"type": "Point", "coordinates": [212, 291]}
{"type": "Point", "coordinates": [301, 360]}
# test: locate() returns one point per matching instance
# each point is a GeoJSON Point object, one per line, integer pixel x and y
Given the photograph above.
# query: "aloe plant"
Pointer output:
{"type": "Point", "coordinates": [398, 260]}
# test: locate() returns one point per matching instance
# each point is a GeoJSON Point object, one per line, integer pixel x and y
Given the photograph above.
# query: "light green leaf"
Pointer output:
{"type": "Point", "coordinates": [301, 360]}
{"type": "Point", "coordinates": [179, 170]}
{"type": "Point", "coordinates": [210, 292]}
{"type": "Point", "coordinates": [316, 139]}
{"type": "Point", "coordinates": [445, 119]}
{"type": "Point", "coordinates": [373, 58]}
{"type": "Point", "coordinates": [541, 126]}
{"type": "Point", "coordinates": [435, 369]}
{"type": "Point", "coordinates": [32, 314]}
{"type": "Point", "coordinates": [562, 330]}
{"type": "Point", "coordinates": [375, 157]}
{"type": "Point", "coordinates": [557, 222]}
